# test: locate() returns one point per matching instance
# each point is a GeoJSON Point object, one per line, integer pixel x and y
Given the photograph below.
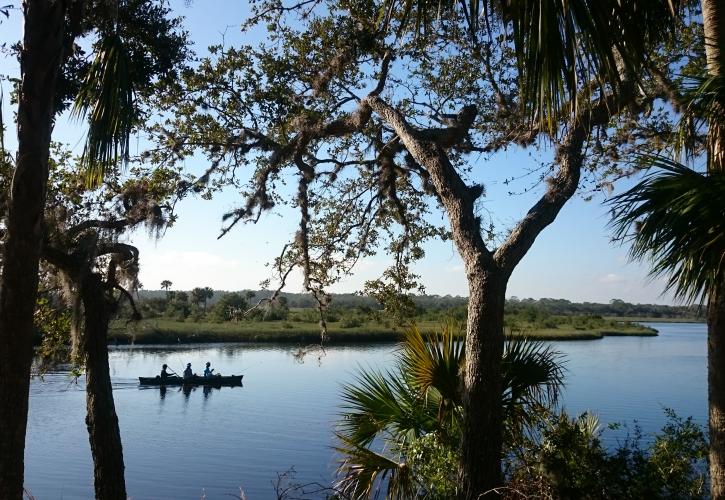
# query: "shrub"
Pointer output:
{"type": "Point", "coordinates": [351, 322]}
{"type": "Point", "coordinates": [571, 462]}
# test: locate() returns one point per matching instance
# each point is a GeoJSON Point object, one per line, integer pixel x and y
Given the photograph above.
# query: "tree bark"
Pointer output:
{"type": "Point", "coordinates": [713, 16]}
{"type": "Point", "coordinates": [40, 61]}
{"type": "Point", "coordinates": [101, 419]}
{"type": "Point", "coordinates": [482, 437]}
{"type": "Point", "coordinates": [716, 390]}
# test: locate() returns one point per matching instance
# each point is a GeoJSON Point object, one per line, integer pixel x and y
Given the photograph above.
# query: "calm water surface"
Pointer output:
{"type": "Point", "coordinates": [180, 446]}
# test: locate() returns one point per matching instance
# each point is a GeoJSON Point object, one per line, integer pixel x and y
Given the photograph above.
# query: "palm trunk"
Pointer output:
{"type": "Point", "coordinates": [101, 419]}
{"type": "Point", "coordinates": [482, 439]}
{"type": "Point", "coordinates": [713, 16]}
{"type": "Point", "coordinates": [716, 390]}
{"type": "Point", "coordinates": [40, 61]}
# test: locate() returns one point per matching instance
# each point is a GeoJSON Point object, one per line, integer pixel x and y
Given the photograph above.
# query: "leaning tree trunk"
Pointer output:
{"type": "Point", "coordinates": [40, 60]}
{"type": "Point", "coordinates": [101, 419]}
{"type": "Point", "coordinates": [713, 16]}
{"type": "Point", "coordinates": [482, 439]}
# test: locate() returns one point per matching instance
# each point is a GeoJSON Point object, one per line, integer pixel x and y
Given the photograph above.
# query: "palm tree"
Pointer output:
{"type": "Point", "coordinates": [165, 285]}
{"type": "Point", "coordinates": [208, 294]}
{"type": "Point", "coordinates": [421, 397]}
{"type": "Point", "coordinates": [679, 224]}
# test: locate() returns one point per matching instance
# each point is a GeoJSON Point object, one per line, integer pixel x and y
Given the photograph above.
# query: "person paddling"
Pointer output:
{"type": "Point", "coordinates": [164, 373]}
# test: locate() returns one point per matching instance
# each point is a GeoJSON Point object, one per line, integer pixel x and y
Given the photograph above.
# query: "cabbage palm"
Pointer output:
{"type": "Point", "coordinates": [421, 396]}
{"type": "Point", "coordinates": [679, 221]}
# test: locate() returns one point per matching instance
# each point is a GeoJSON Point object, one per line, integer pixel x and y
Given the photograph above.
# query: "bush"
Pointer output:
{"type": "Point", "coordinates": [351, 322]}
{"type": "Point", "coordinates": [571, 462]}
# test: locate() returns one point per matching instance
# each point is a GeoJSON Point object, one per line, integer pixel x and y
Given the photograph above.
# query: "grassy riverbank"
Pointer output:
{"type": "Point", "coordinates": [166, 331]}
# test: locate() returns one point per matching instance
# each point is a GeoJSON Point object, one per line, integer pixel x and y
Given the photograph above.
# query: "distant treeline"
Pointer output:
{"type": "Point", "coordinates": [431, 304]}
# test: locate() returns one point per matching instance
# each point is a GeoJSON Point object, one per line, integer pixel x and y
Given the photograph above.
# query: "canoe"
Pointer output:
{"type": "Point", "coordinates": [229, 380]}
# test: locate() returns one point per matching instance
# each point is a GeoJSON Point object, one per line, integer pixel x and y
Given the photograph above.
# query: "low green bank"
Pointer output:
{"type": "Point", "coordinates": [166, 331]}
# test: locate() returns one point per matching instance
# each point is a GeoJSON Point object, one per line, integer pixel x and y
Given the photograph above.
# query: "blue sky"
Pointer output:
{"type": "Point", "coordinates": [573, 258]}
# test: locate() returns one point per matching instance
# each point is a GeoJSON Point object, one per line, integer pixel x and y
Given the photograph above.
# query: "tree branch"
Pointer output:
{"type": "Point", "coordinates": [569, 157]}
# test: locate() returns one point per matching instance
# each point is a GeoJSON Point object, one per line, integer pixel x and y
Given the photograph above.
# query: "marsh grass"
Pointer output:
{"type": "Point", "coordinates": [168, 331]}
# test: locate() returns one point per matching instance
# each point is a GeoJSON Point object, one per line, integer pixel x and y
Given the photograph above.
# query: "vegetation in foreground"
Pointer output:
{"type": "Point", "coordinates": [400, 429]}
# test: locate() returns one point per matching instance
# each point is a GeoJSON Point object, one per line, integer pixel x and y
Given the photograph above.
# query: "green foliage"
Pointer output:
{"type": "Point", "coordinates": [679, 225]}
{"type": "Point", "coordinates": [434, 463]}
{"type": "Point", "coordinates": [351, 322]}
{"type": "Point", "coordinates": [178, 306]}
{"type": "Point", "coordinates": [53, 323]}
{"type": "Point", "coordinates": [421, 396]}
{"type": "Point", "coordinates": [397, 305]}
{"type": "Point", "coordinates": [566, 459]}
{"type": "Point", "coordinates": [228, 308]}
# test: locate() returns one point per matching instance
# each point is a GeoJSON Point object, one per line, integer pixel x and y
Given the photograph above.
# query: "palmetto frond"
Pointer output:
{"type": "Point", "coordinates": [433, 362]}
{"type": "Point", "coordinates": [377, 402]}
{"type": "Point", "coordinates": [423, 395]}
{"type": "Point", "coordinates": [533, 375]}
{"type": "Point", "coordinates": [561, 45]}
{"type": "Point", "coordinates": [701, 96]}
{"type": "Point", "coordinates": [678, 218]}
{"type": "Point", "coordinates": [106, 97]}
{"type": "Point", "coordinates": [362, 470]}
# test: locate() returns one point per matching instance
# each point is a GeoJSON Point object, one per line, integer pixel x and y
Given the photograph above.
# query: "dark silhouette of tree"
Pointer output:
{"type": "Point", "coordinates": [133, 45]}
{"type": "Point", "coordinates": [99, 272]}
{"type": "Point", "coordinates": [166, 285]}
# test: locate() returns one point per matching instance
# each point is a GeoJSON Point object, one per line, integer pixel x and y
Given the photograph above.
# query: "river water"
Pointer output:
{"type": "Point", "coordinates": [209, 444]}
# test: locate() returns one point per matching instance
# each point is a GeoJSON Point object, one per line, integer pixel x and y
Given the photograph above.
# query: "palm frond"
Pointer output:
{"type": "Point", "coordinates": [701, 96]}
{"type": "Point", "coordinates": [363, 470]}
{"type": "Point", "coordinates": [533, 376]}
{"type": "Point", "coordinates": [559, 44]}
{"type": "Point", "coordinates": [676, 218]}
{"type": "Point", "coordinates": [106, 97]}
{"type": "Point", "coordinates": [562, 44]}
{"type": "Point", "coordinates": [377, 401]}
{"type": "Point", "coordinates": [434, 361]}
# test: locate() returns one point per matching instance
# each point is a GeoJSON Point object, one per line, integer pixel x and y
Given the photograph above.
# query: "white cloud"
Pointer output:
{"type": "Point", "coordinates": [612, 279]}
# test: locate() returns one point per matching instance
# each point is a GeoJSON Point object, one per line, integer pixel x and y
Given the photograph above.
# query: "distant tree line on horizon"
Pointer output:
{"type": "Point", "coordinates": [429, 307]}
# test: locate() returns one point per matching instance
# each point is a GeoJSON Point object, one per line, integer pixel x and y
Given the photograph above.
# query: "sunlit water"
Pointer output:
{"type": "Point", "coordinates": [179, 446]}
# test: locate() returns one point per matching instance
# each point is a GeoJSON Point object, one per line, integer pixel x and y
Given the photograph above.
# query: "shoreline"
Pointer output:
{"type": "Point", "coordinates": [161, 331]}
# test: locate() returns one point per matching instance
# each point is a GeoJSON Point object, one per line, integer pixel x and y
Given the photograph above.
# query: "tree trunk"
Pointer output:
{"type": "Point", "coordinates": [101, 419]}
{"type": "Point", "coordinates": [40, 61]}
{"type": "Point", "coordinates": [713, 16]}
{"type": "Point", "coordinates": [716, 390]}
{"type": "Point", "coordinates": [482, 436]}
